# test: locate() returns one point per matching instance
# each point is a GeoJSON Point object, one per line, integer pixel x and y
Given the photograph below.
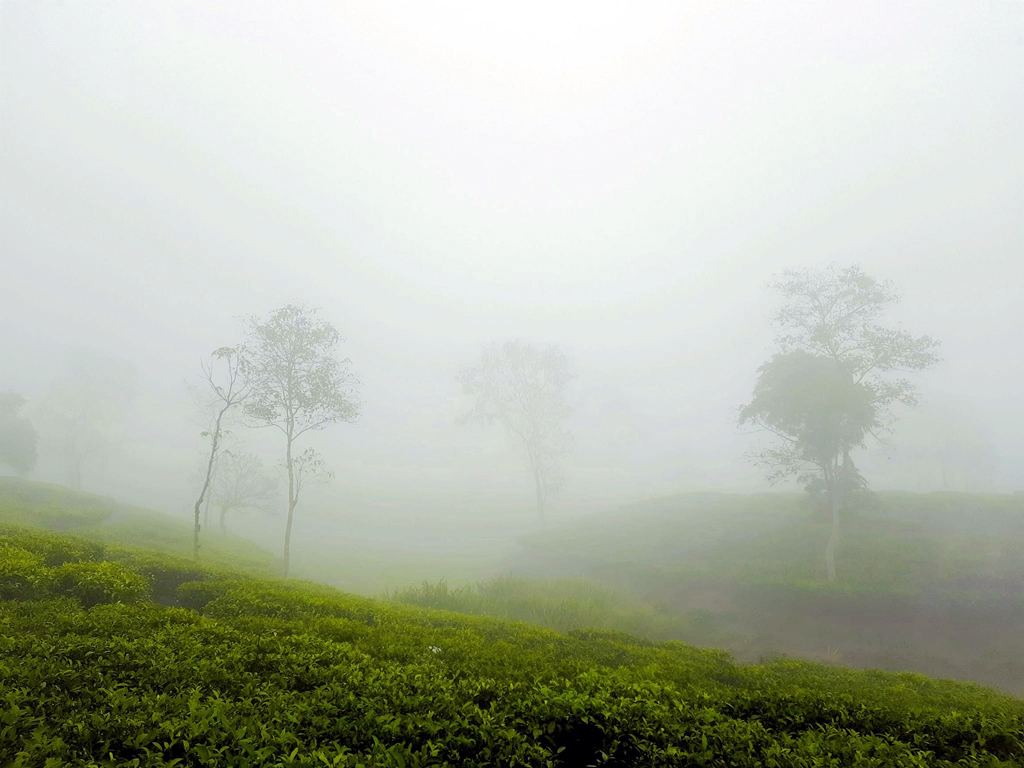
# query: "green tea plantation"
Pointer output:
{"type": "Point", "coordinates": [119, 655]}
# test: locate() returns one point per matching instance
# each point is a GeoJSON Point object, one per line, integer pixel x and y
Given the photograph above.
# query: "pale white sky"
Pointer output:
{"type": "Point", "coordinates": [620, 179]}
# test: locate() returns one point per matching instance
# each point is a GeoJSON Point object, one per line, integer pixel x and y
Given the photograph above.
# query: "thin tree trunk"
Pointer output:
{"type": "Point", "coordinates": [209, 498]}
{"type": "Point", "coordinates": [223, 512]}
{"type": "Point", "coordinates": [539, 486]}
{"type": "Point", "coordinates": [291, 506]}
{"type": "Point", "coordinates": [214, 443]}
{"type": "Point", "coordinates": [833, 539]}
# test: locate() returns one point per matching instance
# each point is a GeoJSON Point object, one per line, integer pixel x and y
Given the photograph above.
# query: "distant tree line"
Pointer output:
{"type": "Point", "coordinates": [836, 380]}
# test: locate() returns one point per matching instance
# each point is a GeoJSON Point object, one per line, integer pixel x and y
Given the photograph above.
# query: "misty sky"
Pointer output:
{"type": "Point", "coordinates": [621, 179]}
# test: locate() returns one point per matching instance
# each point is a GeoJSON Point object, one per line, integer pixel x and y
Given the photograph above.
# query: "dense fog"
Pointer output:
{"type": "Point", "coordinates": [439, 176]}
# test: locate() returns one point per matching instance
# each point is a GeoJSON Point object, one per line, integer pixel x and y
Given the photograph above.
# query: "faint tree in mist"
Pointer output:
{"type": "Point", "coordinates": [79, 416]}
{"type": "Point", "coordinates": [820, 414]}
{"type": "Point", "coordinates": [226, 388]}
{"type": "Point", "coordinates": [523, 387]}
{"type": "Point", "coordinates": [241, 483]}
{"type": "Point", "coordinates": [18, 437]}
{"type": "Point", "coordinates": [833, 314]}
{"type": "Point", "coordinates": [300, 384]}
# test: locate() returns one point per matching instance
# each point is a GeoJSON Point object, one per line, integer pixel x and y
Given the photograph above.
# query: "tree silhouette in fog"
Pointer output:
{"type": "Point", "coordinates": [18, 437]}
{"type": "Point", "coordinates": [837, 379]}
{"type": "Point", "coordinates": [523, 387]}
{"type": "Point", "coordinates": [300, 384]}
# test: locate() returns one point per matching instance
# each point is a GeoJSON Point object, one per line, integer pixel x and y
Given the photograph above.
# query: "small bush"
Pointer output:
{"type": "Point", "coordinates": [55, 549]}
{"type": "Point", "coordinates": [164, 573]}
{"type": "Point", "coordinates": [96, 583]}
{"type": "Point", "coordinates": [23, 575]}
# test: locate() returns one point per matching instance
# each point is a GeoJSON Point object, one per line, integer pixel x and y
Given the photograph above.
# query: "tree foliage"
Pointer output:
{"type": "Point", "coordinates": [836, 380]}
{"type": "Point", "coordinates": [300, 383]}
{"type": "Point", "coordinates": [813, 404]}
{"type": "Point", "coordinates": [523, 387]}
{"type": "Point", "coordinates": [18, 439]}
{"type": "Point", "coordinates": [834, 312]}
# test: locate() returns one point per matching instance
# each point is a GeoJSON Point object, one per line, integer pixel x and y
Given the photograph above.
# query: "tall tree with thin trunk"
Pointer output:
{"type": "Point", "coordinates": [524, 387]}
{"type": "Point", "coordinates": [820, 414]}
{"type": "Point", "coordinates": [226, 388]}
{"type": "Point", "coordinates": [300, 384]}
{"type": "Point", "coordinates": [834, 313]}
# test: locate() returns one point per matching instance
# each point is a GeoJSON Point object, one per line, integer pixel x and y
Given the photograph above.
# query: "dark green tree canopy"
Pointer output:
{"type": "Point", "coordinates": [18, 437]}
{"type": "Point", "coordinates": [816, 406]}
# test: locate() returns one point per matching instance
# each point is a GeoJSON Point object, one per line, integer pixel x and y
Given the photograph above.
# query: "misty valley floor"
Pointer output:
{"type": "Point", "coordinates": [937, 582]}
{"type": "Point", "coordinates": [930, 583]}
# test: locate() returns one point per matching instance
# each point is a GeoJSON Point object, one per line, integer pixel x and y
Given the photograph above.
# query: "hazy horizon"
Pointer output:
{"type": "Point", "coordinates": [621, 183]}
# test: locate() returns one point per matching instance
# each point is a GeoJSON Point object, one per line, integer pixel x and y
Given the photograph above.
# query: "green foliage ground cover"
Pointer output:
{"type": "Point", "coordinates": [902, 545]}
{"type": "Point", "coordinates": [119, 656]}
{"type": "Point", "coordinates": [565, 605]}
{"type": "Point", "coordinates": [104, 520]}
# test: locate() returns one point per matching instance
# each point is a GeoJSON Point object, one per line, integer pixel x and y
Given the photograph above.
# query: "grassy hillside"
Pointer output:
{"type": "Point", "coordinates": [929, 582]}
{"type": "Point", "coordinates": [123, 656]}
{"type": "Point", "coordinates": [565, 605]}
{"type": "Point", "coordinates": [908, 544]}
{"type": "Point", "coordinates": [102, 519]}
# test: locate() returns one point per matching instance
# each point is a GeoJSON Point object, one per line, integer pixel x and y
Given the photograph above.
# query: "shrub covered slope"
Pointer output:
{"type": "Point", "coordinates": [119, 656]}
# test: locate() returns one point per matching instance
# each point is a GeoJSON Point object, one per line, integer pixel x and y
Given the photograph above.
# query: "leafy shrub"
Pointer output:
{"type": "Point", "coordinates": [55, 549]}
{"type": "Point", "coordinates": [95, 583]}
{"type": "Point", "coordinates": [164, 573]}
{"type": "Point", "coordinates": [145, 685]}
{"type": "Point", "coordinates": [50, 506]}
{"type": "Point", "coordinates": [159, 533]}
{"type": "Point", "coordinates": [23, 575]}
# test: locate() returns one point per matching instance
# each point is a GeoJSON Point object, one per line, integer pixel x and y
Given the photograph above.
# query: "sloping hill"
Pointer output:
{"type": "Point", "coordinates": [103, 519]}
{"type": "Point", "coordinates": [123, 656]}
{"type": "Point", "coordinates": [928, 582]}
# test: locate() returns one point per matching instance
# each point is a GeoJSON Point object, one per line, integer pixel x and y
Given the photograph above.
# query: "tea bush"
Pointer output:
{"type": "Point", "coordinates": [23, 576]}
{"type": "Point", "coordinates": [95, 583]}
{"type": "Point", "coordinates": [230, 669]}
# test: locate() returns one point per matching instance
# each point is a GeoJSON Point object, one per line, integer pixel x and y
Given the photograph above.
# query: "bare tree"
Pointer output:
{"type": "Point", "coordinates": [300, 384]}
{"type": "Point", "coordinates": [241, 482]}
{"type": "Point", "coordinates": [226, 388]}
{"type": "Point", "coordinates": [524, 388]}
